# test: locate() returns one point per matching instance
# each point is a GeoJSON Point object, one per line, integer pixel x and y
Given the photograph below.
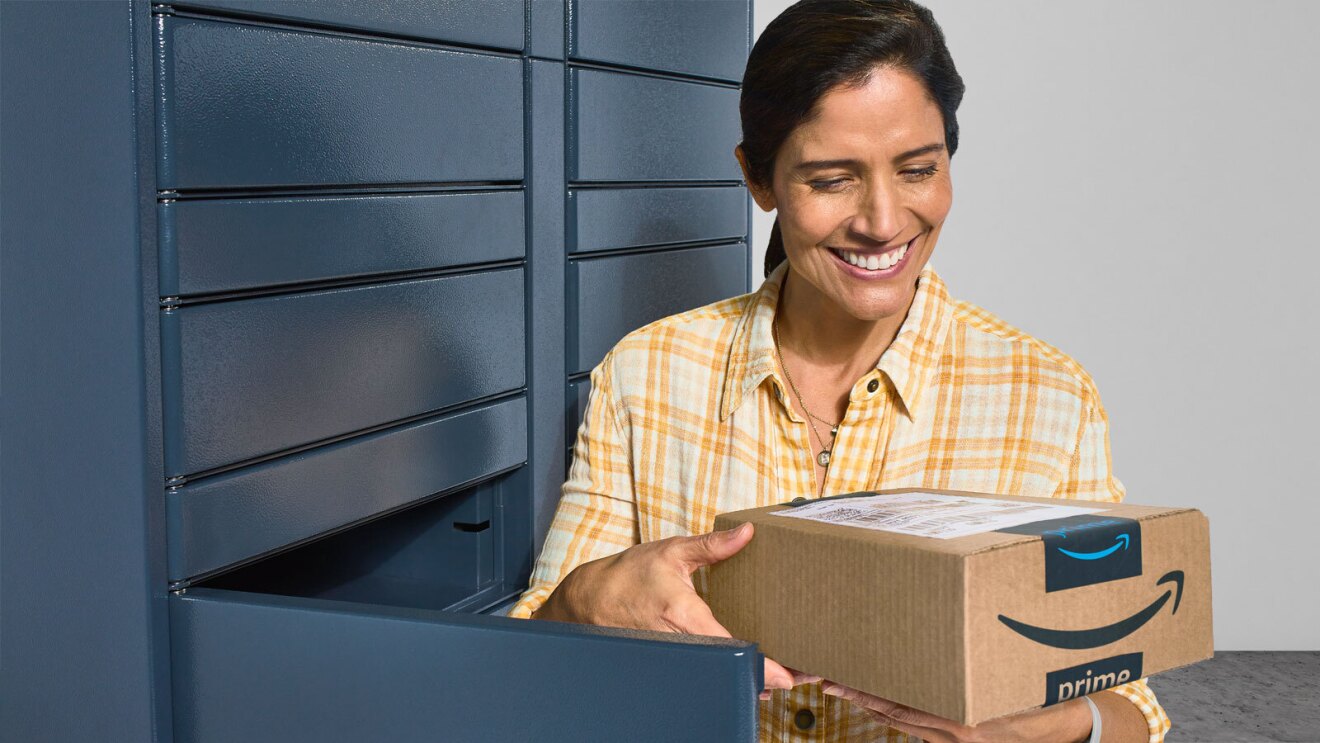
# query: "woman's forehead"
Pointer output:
{"type": "Point", "coordinates": [890, 114]}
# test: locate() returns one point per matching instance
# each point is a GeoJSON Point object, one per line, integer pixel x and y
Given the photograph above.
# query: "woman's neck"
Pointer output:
{"type": "Point", "coordinates": [823, 334]}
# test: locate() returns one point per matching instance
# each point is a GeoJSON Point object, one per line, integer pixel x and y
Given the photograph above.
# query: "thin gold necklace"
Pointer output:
{"type": "Point", "coordinates": [823, 458]}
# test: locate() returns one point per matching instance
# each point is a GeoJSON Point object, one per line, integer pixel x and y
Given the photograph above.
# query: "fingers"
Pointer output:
{"type": "Point", "coordinates": [691, 615]}
{"type": "Point", "coordinates": [878, 704]}
{"type": "Point", "coordinates": [696, 619]}
{"type": "Point", "coordinates": [776, 676]}
{"type": "Point", "coordinates": [800, 678]}
{"type": "Point", "coordinates": [708, 549]}
{"type": "Point", "coordinates": [925, 725]}
{"type": "Point", "coordinates": [783, 677]}
{"type": "Point", "coordinates": [928, 735]}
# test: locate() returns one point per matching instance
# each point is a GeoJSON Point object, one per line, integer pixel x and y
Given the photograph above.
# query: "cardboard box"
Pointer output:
{"type": "Point", "coordinates": [970, 627]}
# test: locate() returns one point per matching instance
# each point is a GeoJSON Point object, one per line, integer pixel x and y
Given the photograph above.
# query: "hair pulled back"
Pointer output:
{"type": "Point", "coordinates": [816, 45]}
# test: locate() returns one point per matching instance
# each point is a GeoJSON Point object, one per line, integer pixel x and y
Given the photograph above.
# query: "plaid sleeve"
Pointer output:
{"type": "Point", "coordinates": [1140, 694]}
{"type": "Point", "coordinates": [1091, 477]}
{"type": "Point", "coordinates": [597, 515]}
{"type": "Point", "coordinates": [1091, 474]}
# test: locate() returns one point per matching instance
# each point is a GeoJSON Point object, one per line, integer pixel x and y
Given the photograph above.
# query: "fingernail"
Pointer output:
{"type": "Point", "coordinates": [832, 690]}
{"type": "Point", "coordinates": [739, 530]}
{"type": "Point", "coordinates": [765, 696]}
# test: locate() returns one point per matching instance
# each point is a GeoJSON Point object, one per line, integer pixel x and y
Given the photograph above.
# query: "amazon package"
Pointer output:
{"type": "Point", "coordinates": [966, 605]}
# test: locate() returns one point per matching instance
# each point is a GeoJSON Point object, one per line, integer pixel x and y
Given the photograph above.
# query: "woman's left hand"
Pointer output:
{"type": "Point", "coordinates": [1069, 722]}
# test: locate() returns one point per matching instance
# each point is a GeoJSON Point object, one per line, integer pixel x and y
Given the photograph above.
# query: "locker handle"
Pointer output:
{"type": "Point", "coordinates": [482, 526]}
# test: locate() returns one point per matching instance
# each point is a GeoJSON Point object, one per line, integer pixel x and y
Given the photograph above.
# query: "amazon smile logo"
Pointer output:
{"type": "Point", "coordinates": [1086, 549]}
{"type": "Point", "coordinates": [1083, 639]}
{"type": "Point", "coordinates": [1121, 540]}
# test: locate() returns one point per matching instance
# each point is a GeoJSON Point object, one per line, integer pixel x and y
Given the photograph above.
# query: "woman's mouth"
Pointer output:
{"type": "Point", "coordinates": [874, 265]}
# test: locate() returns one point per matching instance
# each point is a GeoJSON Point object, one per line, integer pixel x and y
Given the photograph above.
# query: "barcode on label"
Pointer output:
{"type": "Point", "coordinates": [842, 514]}
{"type": "Point", "coordinates": [931, 514]}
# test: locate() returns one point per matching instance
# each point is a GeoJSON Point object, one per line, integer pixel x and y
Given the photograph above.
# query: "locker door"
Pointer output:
{"type": "Point", "coordinates": [272, 668]}
{"type": "Point", "coordinates": [370, 660]}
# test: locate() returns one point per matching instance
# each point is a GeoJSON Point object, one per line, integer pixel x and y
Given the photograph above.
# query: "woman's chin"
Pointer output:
{"type": "Point", "coordinates": [868, 301]}
{"type": "Point", "coordinates": [872, 301]}
{"type": "Point", "coordinates": [876, 311]}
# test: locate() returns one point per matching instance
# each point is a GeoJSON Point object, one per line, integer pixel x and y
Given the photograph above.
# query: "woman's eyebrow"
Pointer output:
{"type": "Point", "coordinates": [822, 164]}
{"type": "Point", "coordinates": [922, 150]}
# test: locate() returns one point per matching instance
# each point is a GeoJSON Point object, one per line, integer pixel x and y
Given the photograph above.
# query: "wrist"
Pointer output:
{"type": "Point", "coordinates": [1076, 726]}
{"type": "Point", "coordinates": [553, 609]}
{"type": "Point", "coordinates": [1066, 722]}
{"type": "Point", "coordinates": [1096, 723]}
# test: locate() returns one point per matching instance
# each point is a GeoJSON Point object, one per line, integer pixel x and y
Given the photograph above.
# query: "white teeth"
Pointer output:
{"type": "Point", "coordinates": [875, 262]}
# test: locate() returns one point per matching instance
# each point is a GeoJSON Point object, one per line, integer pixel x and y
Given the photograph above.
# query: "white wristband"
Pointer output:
{"type": "Point", "coordinates": [1095, 721]}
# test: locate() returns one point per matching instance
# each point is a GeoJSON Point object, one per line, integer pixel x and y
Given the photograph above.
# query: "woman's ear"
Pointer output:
{"type": "Point", "coordinates": [764, 197]}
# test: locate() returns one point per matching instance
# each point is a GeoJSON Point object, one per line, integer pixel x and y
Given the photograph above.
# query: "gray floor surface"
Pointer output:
{"type": "Point", "coordinates": [1244, 697]}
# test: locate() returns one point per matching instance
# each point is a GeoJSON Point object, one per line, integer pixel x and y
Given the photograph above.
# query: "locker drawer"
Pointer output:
{"type": "Point", "coordinates": [254, 106]}
{"type": "Point", "coordinates": [602, 219]}
{"type": "Point", "coordinates": [247, 378]}
{"type": "Point", "coordinates": [226, 245]}
{"type": "Point", "coordinates": [220, 521]}
{"type": "Point", "coordinates": [707, 38]}
{"type": "Point", "coordinates": [635, 128]}
{"type": "Point", "coordinates": [480, 22]}
{"type": "Point", "coordinates": [436, 554]}
{"type": "Point", "coordinates": [609, 297]}
{"type": "Point", "coordinates": [266, 667]}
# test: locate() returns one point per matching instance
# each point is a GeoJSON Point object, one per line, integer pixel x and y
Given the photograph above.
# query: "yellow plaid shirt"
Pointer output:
{"type": "Point", "coordinates": [687, 418]}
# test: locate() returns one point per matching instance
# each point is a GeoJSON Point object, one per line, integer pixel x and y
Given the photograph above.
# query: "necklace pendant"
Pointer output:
{"type": "Point", "coordinates": [823, 459]}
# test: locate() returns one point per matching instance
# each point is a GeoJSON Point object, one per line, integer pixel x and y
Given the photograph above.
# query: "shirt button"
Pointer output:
{"type": "Point", "coordinates": [873, 385]}
{"type": "Point", "coordinates": [804, 719]}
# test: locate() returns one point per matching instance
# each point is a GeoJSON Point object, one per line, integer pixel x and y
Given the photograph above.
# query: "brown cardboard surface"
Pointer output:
{"type": "Point", "coordinates": [917, 620]}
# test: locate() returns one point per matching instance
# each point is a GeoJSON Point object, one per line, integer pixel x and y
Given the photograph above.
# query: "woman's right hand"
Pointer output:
{"type": "Point", "coordinates": [649, 586]}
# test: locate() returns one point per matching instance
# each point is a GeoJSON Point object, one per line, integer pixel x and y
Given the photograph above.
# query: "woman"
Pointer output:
{"type": "Point", "coordinates": [849, 369]}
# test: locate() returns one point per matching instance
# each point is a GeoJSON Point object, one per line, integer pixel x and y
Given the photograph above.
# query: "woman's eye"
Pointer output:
{"type": "Point", "coordinates": [828, 185]}
{"type": "Point", "coordinates": [918, 174]}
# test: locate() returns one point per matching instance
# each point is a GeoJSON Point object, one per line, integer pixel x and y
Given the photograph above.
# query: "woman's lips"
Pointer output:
{"type": "Point", "coordinates": [885, 264]}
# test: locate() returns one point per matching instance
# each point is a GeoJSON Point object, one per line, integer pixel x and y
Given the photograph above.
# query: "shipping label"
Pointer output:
{"type": "Point", "coordinates": [930, 514]}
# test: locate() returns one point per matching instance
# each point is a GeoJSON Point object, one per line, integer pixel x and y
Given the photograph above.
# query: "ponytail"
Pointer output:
{"type": "Point", "coordinates": [774, 251]}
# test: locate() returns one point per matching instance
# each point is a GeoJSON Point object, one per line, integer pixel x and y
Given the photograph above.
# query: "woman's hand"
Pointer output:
{"type": "Point", "coordinates": [1069, 722]}
{"type": "Point", "coordinates": [649, 586]}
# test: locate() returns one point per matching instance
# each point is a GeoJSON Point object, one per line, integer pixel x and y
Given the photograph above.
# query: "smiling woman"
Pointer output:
{"type": "Point", "coordinates": [850, 369]}
{"type": "Point", "coordinates": [862, 189]}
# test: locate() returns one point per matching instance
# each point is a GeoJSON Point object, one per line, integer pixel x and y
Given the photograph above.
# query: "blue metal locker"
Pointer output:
{"type": "Point", "coordinates": [298, 302]}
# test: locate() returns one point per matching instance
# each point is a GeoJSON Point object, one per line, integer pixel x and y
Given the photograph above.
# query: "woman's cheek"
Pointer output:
{"type": "Point", "coordinates": [816, 219]}
{"type": "Point", "coordinates": [937, 200]}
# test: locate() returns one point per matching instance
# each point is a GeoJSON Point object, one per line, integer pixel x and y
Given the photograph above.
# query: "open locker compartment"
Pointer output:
{"type": "Point", "coordinates": [446, 553]}
{"type": "Point", "coordinates": [375, 633]}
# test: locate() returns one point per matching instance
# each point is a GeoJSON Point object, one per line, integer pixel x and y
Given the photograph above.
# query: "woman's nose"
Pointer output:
{"type": "Point", "coordinates": [879, 214]}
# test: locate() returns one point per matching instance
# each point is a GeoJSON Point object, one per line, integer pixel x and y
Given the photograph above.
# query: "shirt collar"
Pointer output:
{"type": "Point", "coordinates": [909, 362]}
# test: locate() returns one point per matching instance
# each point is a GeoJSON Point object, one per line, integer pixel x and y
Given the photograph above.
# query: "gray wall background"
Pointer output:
{"type": "Point", "coordinates": [1135, 184]}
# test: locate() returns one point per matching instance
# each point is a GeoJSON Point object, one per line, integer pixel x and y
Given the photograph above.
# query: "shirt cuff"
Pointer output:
{"type": "Point", "coordinates": [1157, 722]}
{"type": "Point", "coordinates": [530, 601]}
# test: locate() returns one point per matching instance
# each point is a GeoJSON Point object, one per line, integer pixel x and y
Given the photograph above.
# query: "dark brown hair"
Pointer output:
{"type": "Point", "coordinates": [817, 45]}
